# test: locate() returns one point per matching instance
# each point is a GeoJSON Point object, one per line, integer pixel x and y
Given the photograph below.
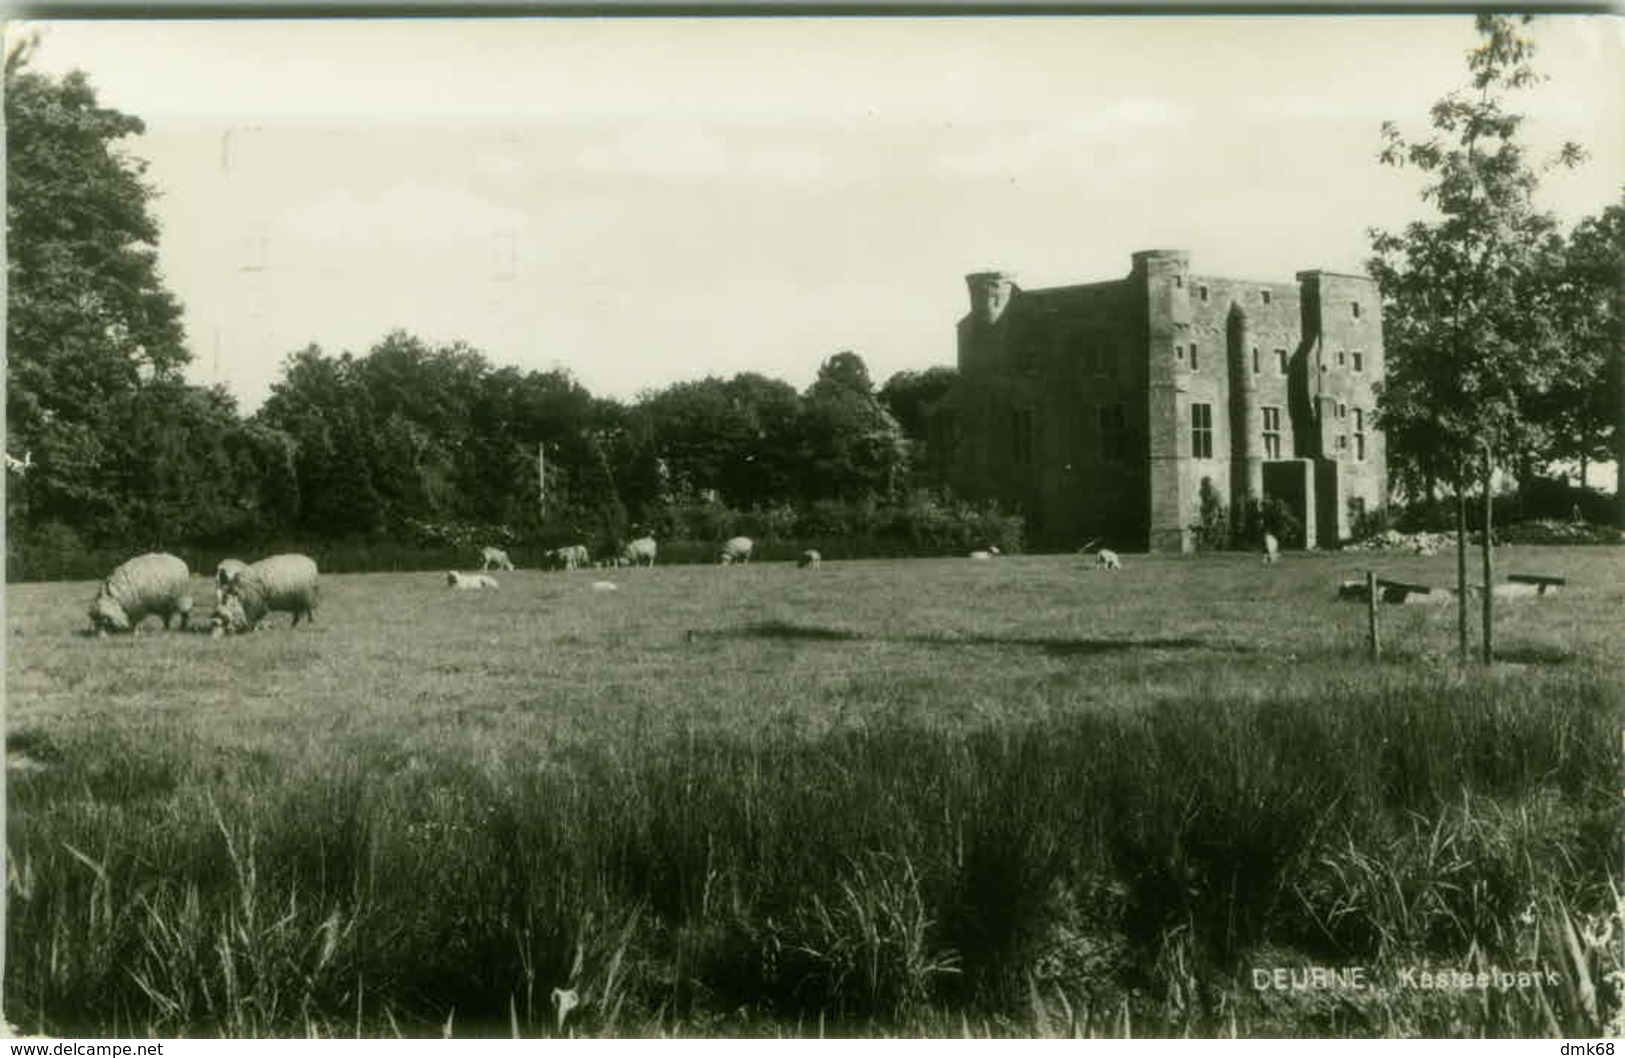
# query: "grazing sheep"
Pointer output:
{"type": "Point", "coordinates": [573, 556]}
{"type": "Point", "coordinates": [640, 552]}
{"type": "Point", "coordinates": [983, 556]}
{"type": "Point", "coordinates": [605, 585]}
{"type": "Point", "coordinates": [470, 581]}
{"type": "Point", "coordinates": [809, 557]}
{"type": "Point", "coordinates": [1272, 549]}
{"type": "Point", "coordinates": [223, 573]}
{"type": "Point", "coordinates": [152, 584]}
{"type": "Point", "coordinates": [494, 556]}
{"type": "Point", "coordinates": [737, 550]}
{"type": "Point", "coordinates": [281, 583]}
{"type": "Point", "coordinates": [1106, 558]}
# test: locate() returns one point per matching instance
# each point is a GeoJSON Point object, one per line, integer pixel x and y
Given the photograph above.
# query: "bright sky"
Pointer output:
{"type": "Point", "coordinates": [645, 201]}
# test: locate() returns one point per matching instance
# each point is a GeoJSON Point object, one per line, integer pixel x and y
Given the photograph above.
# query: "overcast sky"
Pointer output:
{"type": "Point", "coordinates": [644, 201]}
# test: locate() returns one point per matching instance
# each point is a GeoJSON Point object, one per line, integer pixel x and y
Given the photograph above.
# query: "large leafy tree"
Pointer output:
{"type": "Point", "coordinates": [1472, 343]}
{"type": "Point", "coordinates": [1584, 403]}
{"type": "Point", "coordinates": [88, 316]}
{"type": "Point", "coordinates": [851, 446]}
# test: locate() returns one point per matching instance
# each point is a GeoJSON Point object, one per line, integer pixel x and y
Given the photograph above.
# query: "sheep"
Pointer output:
{"type": "Point", "coordinates": [155, 583]}
{"type": "Point", "coordinates": [640, 552]}
{"type": "Point", "coordinates": [605, 585]}
{"type": "Point", "coordinates": [470, 581]}
{"type": "Point", "coordinates": [1106, 558]}
{"type": "Point", "coordinates": [737, 550]}
{"type": "Point", "coordinates": [983, 556]}
{"type": "Point", "coordinates": [223, 573]}
{"type": "Point", "coordinates": [494, 556]}
{"type": "Point", "coordinates": [281, 583]}
{"type": "Point", "coordinates": [1272, 549]}
{"type": "Point", "coordinates": [808, 558]}
{"type": "Point", "coordinates": [573, 556]}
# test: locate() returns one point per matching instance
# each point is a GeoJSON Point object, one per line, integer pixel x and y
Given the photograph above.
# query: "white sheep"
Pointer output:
{"type": "Point", "coordinates": [605, 585]}
{"type": "Point", "coordinates": [470, 581]}
{"type": "Point", "coordinates": [1106, 558]}
{"type": "Point", "coordinates": [1272, 549]}
{"type": "Point", "coordinates": [737, 549]}
{"type": "Point", "coordinates": [494, 557]}
{"type": "Point", "coordinates": [983, 556]}
{"type": "Point", "coordinates": [640, 552]}
{"type": "Point", "coordinates": [279, 584]}
{"type": "Point", "coordinates": [228, 568]}
{"type": "Point", "coordinates": [155, 584]}
{"type": "Point", "coordinates": [808, 558]}
{"type": "Point", "coordinates": [573, 556]}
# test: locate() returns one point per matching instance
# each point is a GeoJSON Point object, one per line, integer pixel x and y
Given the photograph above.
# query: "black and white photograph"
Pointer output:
{"type": "Point", "coordinates": [990, 527]}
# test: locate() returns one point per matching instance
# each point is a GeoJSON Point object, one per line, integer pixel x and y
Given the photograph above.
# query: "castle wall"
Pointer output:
{"type": "Point", "coordinates": [1075, 405]}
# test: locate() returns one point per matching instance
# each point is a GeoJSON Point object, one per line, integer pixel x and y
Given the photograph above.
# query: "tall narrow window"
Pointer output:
{"type": "Point", "coordinates": [1201, 291]}
{"type": "Point", "coordinates": [1255, 359]}
{"type": "Point", "coordinates": [1342, 358]}
{"type": "Point", "coordinates": [1280, 361]}
{"type": "Point", "coordinates": [1022, 428]}
{"type": "Point", "coordinates": [1359, 434]}
{"type": "Point", "coordinates": [1113, 433]}
{"type": "Point", "coordinates": [1272, 433]}
{"type": "Point", "coordinates": [1354, 306]}
{"type": "Point", "coordinates": [1266, 295]}
{"type": "Point", "coordinates": [1194, 364]}
{"type": "Point", "coordinates": [1201, 431]}
{"type": "Point", "coordinates": [1359, 361]}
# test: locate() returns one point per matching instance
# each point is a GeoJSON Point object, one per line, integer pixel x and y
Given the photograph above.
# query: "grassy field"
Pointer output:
{"type": "Point", "coordinates": [930, 797]}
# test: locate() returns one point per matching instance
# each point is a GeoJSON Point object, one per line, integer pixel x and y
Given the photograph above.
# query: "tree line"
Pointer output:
{"type": "Point", "coordinates": [1498, 323]}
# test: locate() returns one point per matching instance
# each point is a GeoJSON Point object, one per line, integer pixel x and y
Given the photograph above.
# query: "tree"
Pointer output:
{"type": "Point", "coordinates": [851, 447]}
{"type": "Point", "coordinates": [1589, 294]}
{"type": "Point", "coordinates": [88, 314]}
{"type": "Point", "coordinates": [1466, 355]}
{"type": "Point", "coordinates": [909, 396]}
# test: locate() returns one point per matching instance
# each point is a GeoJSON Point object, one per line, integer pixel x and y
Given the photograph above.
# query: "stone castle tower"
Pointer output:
{"type": "Point", "coordinates": [1101, 410]}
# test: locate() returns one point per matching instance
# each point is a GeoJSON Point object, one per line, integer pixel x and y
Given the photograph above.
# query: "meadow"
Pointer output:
{"type": "Point", "coordinates": [893, 797]}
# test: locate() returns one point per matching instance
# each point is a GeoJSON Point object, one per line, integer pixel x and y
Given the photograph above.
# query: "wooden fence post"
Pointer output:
{"type": "Point", "coordinates": [1371, 613]}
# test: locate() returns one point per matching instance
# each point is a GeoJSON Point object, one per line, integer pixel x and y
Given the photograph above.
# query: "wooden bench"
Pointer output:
{"type": "Point", "coordinates": [1541, 583]}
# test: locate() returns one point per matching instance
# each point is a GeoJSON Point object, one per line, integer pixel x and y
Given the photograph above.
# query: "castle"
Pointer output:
{"type": "Point", "coordinates": [1100, 410]}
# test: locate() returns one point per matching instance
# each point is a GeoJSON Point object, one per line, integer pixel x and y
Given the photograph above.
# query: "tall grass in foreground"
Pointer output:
{"type": "Point", "coordinates": [1095, 872]}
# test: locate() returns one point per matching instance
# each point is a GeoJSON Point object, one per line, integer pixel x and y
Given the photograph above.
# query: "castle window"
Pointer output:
{"type": "Point", "coordinates": [1179, 282]}
{"type": "Point", "coordinates": [1359, 361]}
{"type": "Point", "coordinates": [1342, 442]}
{"type": "Point", "coordinates": [1201, 291]}
{"type": "Point", "coordinates": [1022, 434]}
{"type": "Point", "coordinates": [1194, 364]}
{"type": "Point", "coordinates": [1201, 431]}
{"type": "Point", "coordinates": [1342, 411]}
{"type": "Point", "coordinates": [1280, 361]}
{"type": "Point", "coordinates": [1179, 352]}
{"type": "Point", "coordinates": [1272, 433]}
{"type": "Point", "coordinates": [1113, 433]}
{"type": "Point", "coordinates": [1342, 358]}
{"type": "Point", "coordinates": [1265, 295]}
{"type": "Point", "coordinates": [1255, 359]}
{"type": "Point", "coordinates": [1359, 434]}
{"type": "Point", "coordinates": [1354, 306]}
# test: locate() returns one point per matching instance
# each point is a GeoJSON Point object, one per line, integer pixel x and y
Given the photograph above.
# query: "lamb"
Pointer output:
{"type": "Point", "coordinates": [1272, 549]}
{"type": "Point", "coordinates": [152, 584]}
{"type": "Point", "coordinates": [983, 556]}
{"type": "Point", "coordinates": [1106, 558]}
{"type": "Point", "coordinates": [494, 556]}
{"type": "Point", "coordinates": [640, 552]}
{"type": "Point", "coordinates": [281, 583]}
{"type": "Point", "coordinates": [737, 550]}
{"type": "Point", "coordinates": [223, 573]}
{"type": "Point", "coordinates": [470, 581]}
{"type": "Point", "coordinates": [808, 558]}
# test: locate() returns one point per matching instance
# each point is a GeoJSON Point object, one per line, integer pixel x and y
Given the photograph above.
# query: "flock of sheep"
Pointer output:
{"type": "Point", "coordinates": [159, 585]}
